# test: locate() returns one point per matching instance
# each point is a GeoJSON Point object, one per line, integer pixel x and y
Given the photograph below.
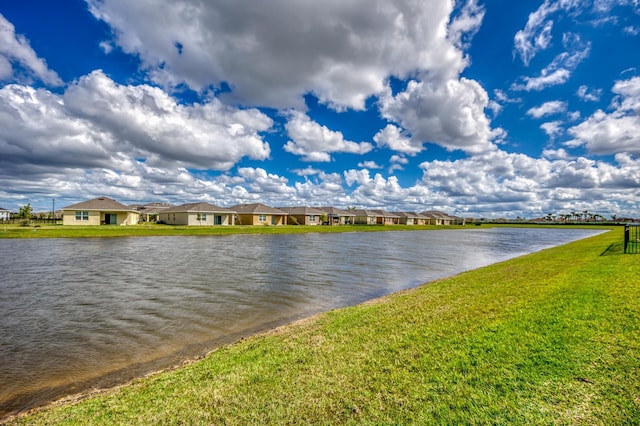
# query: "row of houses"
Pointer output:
{"type": "Point", "coordinates": [106, 211]}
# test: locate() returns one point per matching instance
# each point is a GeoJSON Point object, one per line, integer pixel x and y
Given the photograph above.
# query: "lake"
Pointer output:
{"type": "Point", "coordinates": [77, 314]}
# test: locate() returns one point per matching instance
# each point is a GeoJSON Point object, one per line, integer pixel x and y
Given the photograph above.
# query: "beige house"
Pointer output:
{"type": "Point", "coordinates": [386, 218]}
{"type": "Point", "coordinates": [365, 217]}
{"type": "Point", "coordinates": [412, 218]}
{"type": "Point", "coordinates": [258, 214]}
{"type": "Point", "coordinates": [457, 220]}
{"type": "Point", "coordinates": [338, 217]}
{"type": "Point", "coordinates": [438, 218]}
{"type": "Point", "coordinates": [150, 212]}
{"type": "Point", "coordinates": [197, 214]}
{"type": "Point", "coordinates": [303, 215]}
{"type": "Point", "coordinates": [99, 211]}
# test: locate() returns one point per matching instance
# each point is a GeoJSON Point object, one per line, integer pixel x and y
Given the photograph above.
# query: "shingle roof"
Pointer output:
{"type": "Point", "coordinates": [102, 204]}
{"type": "Point", "coordinates": [385, 213]}
{"type": "Point", "coordinates": [197, 207]}
{"type": "Point", "coordinates": [151, 208]}
{"type": "Point", "coordinates": [301, 211]}
{"type": "Point", "coordinates": [256, 208]}
{"type": "Point", "coordinates": [411, 215]}
{"type": "Point", "coordinates": [332, 211]}
{"type": "Point", "coordinates": [435, 214]}
{"type": "Point", "coordinates": [362, 212]}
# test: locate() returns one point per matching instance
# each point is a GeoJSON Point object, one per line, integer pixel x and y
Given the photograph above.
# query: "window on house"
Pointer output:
{"type": "Point", "coordinates": [203, 216]}
{"type": "Point", "coordinates": [262, 218]}
{"type": "Point", "coordinates": [82, 215]}
{"type": "Point", "coordinates": [312, 218]}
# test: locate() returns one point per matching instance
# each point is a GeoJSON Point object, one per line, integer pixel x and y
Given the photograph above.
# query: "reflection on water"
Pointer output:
{"type": "Point", "coordinates": [82, 313]}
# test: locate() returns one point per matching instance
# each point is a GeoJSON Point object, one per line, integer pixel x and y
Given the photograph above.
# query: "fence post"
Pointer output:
{"type": "Point", "coordinates": [626, 237]}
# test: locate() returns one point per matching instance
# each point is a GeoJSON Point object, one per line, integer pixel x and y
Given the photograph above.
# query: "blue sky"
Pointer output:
{"type": "Point", "coordinates": [477, 108]}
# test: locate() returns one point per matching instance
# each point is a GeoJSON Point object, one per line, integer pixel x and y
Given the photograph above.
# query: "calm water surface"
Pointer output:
{"type": "Point", "coordinates": [82, 313]}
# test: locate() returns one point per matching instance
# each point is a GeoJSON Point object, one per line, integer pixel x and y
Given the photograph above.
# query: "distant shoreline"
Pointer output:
{"type": "Point", "coordinates": [154, 230]}
{"type": "Point", "coordinates": [464, 321]}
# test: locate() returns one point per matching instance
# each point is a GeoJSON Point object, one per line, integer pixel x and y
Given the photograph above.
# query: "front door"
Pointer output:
{"type": "Point", "coordinates": [110, 219]}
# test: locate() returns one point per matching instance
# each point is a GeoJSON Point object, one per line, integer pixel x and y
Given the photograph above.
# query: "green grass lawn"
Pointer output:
{"type": "Point", "coordinates": [150, 230]}
{"type": "Point", "coordinates": [548, 338]}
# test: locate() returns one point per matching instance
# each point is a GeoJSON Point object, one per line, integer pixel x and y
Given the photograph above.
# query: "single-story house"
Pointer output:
{"type": "Point", "coordinates": [365, 217]}
{"type": "Point", "coordinates": [411, 218]}
{"type": "Point", "coordinates": [4, 214]}
{"type": "Point", "coordinates": [197, 214]}
{"type": "Point", "coordinates": [386, 218]}
{"type": "Point", "coordinates": [338, 217]}
{"type": "Point", "coordinates": [150, 212]}
{"type": "Point", "coordinates": [258, 214]}
{"type": "Point", "coordinates": [99, 211]}
{"type": "Point", "coordinates": [457, 220]}
{"type": "Point", "coordinates": [437, 218]}
{"type": "Point", "coordinates": [303, 215]}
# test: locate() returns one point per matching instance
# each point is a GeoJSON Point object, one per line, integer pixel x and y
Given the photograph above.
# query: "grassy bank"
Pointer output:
{"type": "Point", "coordinates": [154, 230]}
{"type": "Point", "coordinates": [549, 338]}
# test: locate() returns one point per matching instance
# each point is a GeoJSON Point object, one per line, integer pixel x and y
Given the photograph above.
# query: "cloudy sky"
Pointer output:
{"type": "Point", "coordinates": [477, 108]}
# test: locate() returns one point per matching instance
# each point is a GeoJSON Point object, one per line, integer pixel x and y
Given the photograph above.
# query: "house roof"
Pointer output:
{"type": "Point", "coordinates": [301, 211]}
{"type": "Point", "coordinates": [197, 208]}
{"type": "Point", "coordinates": [151, 205]}
{"type": "Point", "coordinates": [101, 204]}
{"type": "Point", "coordinates": [332, 211]}
{"type": "Point", "coordinates": [363, 212]}
{"type": "Point", "coordinates": [256, 208]}
{"type": "Point", "coordinates": [385, 213]}
{"type": "Point", "coordinates": [3, 210]}
{"type": "Point", "coordinates": [151, 208]}
{"type": "Point", "coordinates": [412, 215]}
{"type": "Point", "coordinates": [435, 214]}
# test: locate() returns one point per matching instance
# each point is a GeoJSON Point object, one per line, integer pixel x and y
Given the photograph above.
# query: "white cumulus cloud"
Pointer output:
{"type": "Point", "coordinates": [451, 115]}
{"type": "Point", "coordinates": [341, 51]}
{"type": "Point", "coordinates": [98, 124]}
{"type": "Point", "coordinates": [548, 108]}
{"type": "Point", "coordinates": [15, 50]}
{"type": "Point", "coordinates": [536, 35]}
{"type": "Point", "coordinates": [315, 142]}
{"type": "Point", "coordinates": [589, 95]}
{"type": "Point", "coordinates": [614, 132]}
{"type": "Point", "coordinates": [391, 136]}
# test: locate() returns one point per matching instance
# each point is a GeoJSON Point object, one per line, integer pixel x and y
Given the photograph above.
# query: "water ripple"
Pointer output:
{"type": "Point", "coordinates": [77, 313]}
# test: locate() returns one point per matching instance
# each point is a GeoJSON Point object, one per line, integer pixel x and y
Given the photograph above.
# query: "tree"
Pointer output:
{"type": "Point", "coordinates": [25, 213]}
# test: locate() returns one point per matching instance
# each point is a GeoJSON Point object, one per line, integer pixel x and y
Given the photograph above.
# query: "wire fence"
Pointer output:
{"type": "Point", "coordinates": [632, 238]}
{"type": "Point", "coordinates": [34, 221]}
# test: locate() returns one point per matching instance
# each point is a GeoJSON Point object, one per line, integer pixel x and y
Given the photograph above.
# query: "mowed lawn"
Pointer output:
{"type": "Point", "coordinates": [548, 338]}
{"type": "Point", "coordinates": [155, 230]}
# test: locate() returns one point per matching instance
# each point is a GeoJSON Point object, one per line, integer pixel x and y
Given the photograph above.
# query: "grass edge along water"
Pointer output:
{"type": "Point", "coordinates": [547, 338]}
